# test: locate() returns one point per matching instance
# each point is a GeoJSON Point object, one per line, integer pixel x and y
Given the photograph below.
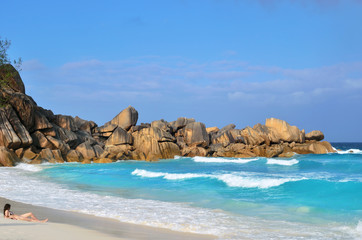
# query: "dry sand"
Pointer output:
{"type": "Point", "coordinates": [71, 225]}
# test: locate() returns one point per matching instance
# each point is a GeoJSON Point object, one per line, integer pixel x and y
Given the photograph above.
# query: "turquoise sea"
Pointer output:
{"type": "Point", "coordinates": [304, 197]}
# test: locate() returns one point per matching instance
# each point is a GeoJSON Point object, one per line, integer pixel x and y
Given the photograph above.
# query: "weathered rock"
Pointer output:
{"type": "Point", "coordinates": [41, 141]}
{"type": "Point", "coordinates": [58, 158]}
{"type": "Point", "coordinates": [125, 119]}
{"type": "Point", "coordinates": [224, 138]}
{"type": "Point", "coordinates": [46, 155]}
{"type": "Point", "coordinates": [155, 133]}
{"type": "Point", "coordinates": [238, 138]}
{"type": "Point", "coordinates": [109, 128]}
{"type": "Point", "coordinates": [313, 147]}
{"type": "Point", "coordinates": [169, 150]}
{"type": "Point", "coordinates": [119, 136]}
{"type": "Point", "coordinates": [227, 127]}
{"type": "Point", "coordinates": [84, 125]}
{"type": "Point", "coordinates": [12, 78]}
{"type": "Point", "coordinates": [8, 137]}
{"type": "Point", "coordinates": [163, 125]}
{"type": "Point", "coordinates": [19, 152]}
{"type": "Point", "coordinates": [74, 156]}
{"type": "Point", "coordinates": [284, 131]}
{"type": "Point", "coordinates": [49, 132]}
{"type": "Point", "coordinates": [46, 113]}
{"type": "Point", "coordinates": [29, 154]}
{"type": "Point", "coordinates": [181, 142]}
{"type": "Point", "coordinates": [273, 151]}
{"type": "Point", "coordinates": [86, 150]}
{"type": "Point", "coordinates": [40, 122]}
{"type": "Point", "coordinates": [7, 157]}
{"type": "Point", "coordinates": [112, 151]}
{"type": "Point", "coordinates": [182, 122]}
{"type": "Point", "coordinates": [196, 135]}
{"type": "Point", "coordinates": [18, 127]}
{"type": "Point", "coordinates": [98, 150]}
{"type": "Point", "coordinates": [59, 144]}
{"type": "Point", "coordinates": [24, 106]}
{"type": "Point", "coordinates": [84, 136]}
{"type": "Point", "coordinates": [252, 137]}
{"type": "Point", "coordinates": [66, 122]}
{"type": "Point", "coordinates": [103, 160]}
{"type": "Point", "coordinates": [212, 130]}
{"type": "Point", "coordinates": [314, 135]}
{"type": "Point", "coordinates": [67, 136]}
{"type": "Point", "coordinates": [194, 151]}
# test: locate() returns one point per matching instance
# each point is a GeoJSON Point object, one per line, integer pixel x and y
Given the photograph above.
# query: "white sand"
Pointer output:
{"type": "Point", "coordinates": [63, 225]}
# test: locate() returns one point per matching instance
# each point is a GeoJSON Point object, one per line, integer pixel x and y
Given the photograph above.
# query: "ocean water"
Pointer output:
{"type": "Point", "coordinates": [304, 197]}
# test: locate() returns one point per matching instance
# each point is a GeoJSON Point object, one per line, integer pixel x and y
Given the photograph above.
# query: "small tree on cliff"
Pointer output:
{"type": "Point", "coordinates": [4, 58]}
{"type": "Point", "coordinates": [7, 71]}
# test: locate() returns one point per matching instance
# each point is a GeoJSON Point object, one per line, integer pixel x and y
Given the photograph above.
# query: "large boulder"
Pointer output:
{"type": "Point", "coordinates": [154, 143]}
{"type": "Point", "coordinates": [119, 136]}
{"type": "Point", "coordinates": [40, 122]}
{"type": "Point", "coordinates": [182, 122]}
{"type": "Point", "coordinates": [195, 135]}
{"type": "Point", "coordinates": [284, 131]}
{"type": "Point", "coordinates": [84, 125]}
{"type": "Point", "coordinates": [313, 147]}
{"type": "Point", "coordinates": [126, 119]}
{"type": "Point", "coordinates": [252, 137]}
{"type": "Point", "coordinates": [7, 157]}
{"type": "Point", "coordinates": [227, 127]}
{"type": "Point", "coordinates": [11, 77]}
{"type": "Point", "coordinates": [41, 141]}
{"type": "Point", "coordinates": [66, 122]}
{"type": "Point", "coordinates": [74, 156]}
{"type": "Point", "coordinates": [163, 125]}
{"type": "Point", "coordinates": [18, 127]}
{"type": "Point", "coordinates": [314, 135]}
{"type": "Point", "coordinates": [8, 136]}
{"type": "Point", "coordinates": [224, 138]}
{"type": "Point", "coordinates": [59, 144]}
{"type": "Point", "coordinates": [67, 136]}
{"type": "Point", "coordinates": [24, 106]}
{"type": "Point", "coordinates": [212, 130]}
{"type": "Point", "coordinates": [86, 150]}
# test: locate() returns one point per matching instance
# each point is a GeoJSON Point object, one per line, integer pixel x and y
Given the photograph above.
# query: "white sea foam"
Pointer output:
{"type": "Point", "coordinates": [252, 182]}
{"type": "Point", "coordinates": [29, 188]}
{"type": "Point", "coordinates": [282, 162]}
{"type": "Point", "coordinates": [223, 160]}
{"type": "Point", "coordinates": [29, 167]}
{"type": "Point", "coordinates": [349, 151]}
{"type": "Point", "coordinates": [232, 180]}
{"type": "Point", "coordinates": [169, 176]}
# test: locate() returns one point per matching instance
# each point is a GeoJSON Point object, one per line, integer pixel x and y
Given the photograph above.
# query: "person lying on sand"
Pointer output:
{"type": "Point", "coordinates": [24, 217]}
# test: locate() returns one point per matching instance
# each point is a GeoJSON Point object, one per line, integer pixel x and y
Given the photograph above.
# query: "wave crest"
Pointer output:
{"type": "Point", "coordinates": [282, 162]}
{"type": "Point", "coordinates": [223, 160]}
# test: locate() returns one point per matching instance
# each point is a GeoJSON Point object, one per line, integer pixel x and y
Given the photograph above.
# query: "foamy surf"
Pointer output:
{"type": "Point", "coordinates": [349, 151]}
{"type": "Point", "coordinates": [231, 180]}
{"type": "Point", "coordinates": [282, 162]}
{"type": "Point", "coordinates": [29, 167]}
{"type": "Point", "coordinates": [223, 160]}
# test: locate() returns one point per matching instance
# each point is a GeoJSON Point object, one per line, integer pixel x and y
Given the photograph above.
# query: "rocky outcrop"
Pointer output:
{"type": "Point", "coordinates": [314, 136]}
{"type": "Point", "coordinates": [125, 119]}
{"type": "Point", "coordinates": [31, 134]}
{"type": "Point", "coordinates": [7, 157]}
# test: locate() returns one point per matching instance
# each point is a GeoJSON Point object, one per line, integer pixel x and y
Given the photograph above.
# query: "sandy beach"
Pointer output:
{"type": "Point", "coordinates": [72, 225]}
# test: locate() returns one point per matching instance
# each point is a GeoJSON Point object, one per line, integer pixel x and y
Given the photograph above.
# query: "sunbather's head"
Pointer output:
{"type": "Point", "coordinates": [6, 207]}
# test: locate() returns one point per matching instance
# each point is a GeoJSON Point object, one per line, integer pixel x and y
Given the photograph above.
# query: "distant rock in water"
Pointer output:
{"type": "Point", "coordinates": [31, 134]}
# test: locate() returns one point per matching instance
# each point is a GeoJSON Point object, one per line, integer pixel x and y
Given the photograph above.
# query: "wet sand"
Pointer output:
{"type": "Point", "coordinates": [72, 225]}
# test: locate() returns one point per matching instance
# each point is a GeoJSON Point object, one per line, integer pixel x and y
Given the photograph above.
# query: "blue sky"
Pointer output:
{"type": "Point", "coordinates": [217, 61]}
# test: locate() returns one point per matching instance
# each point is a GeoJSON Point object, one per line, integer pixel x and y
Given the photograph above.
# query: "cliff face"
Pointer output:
{"type": "Point", "coordinates": [31, 134]}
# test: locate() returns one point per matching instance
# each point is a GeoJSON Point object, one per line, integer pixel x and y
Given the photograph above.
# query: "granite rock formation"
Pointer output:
{"type": "Point", "coordinates": [31, 134]}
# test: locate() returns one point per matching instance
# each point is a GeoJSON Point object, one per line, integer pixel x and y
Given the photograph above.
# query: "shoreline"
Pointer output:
{"type": "Point", "coordinates": [74, 225]}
